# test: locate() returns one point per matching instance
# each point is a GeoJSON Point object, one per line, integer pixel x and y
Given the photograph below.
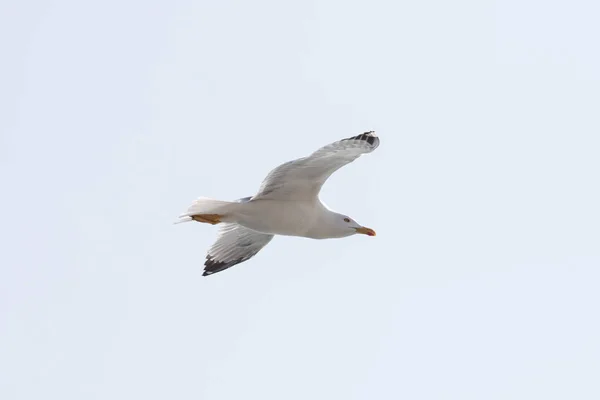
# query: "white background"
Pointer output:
{"type": "Point", "coordinates": [482, 282]}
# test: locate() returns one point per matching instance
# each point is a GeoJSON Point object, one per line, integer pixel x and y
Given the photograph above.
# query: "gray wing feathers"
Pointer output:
{"type": "Point", "coordinates": [304, 177]}
{"type": "Point", "coordinates": [235, 244]}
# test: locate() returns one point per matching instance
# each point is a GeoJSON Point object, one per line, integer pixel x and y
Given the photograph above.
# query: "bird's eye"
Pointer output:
{"type": "Point", "coordinates": [347, 219]}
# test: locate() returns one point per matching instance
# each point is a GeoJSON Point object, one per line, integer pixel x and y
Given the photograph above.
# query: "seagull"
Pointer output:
{"type": "Point", "coordinates": [287, 203]}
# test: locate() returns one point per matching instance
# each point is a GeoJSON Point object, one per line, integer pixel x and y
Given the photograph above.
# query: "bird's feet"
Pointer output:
{"type": "Point", "coordinates": [212, 219]}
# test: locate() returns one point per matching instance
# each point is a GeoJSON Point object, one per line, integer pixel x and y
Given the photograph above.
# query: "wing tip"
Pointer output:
{"type": "Point", "coordinates": [211, 266]}
{"type": "Point", "coordinates": [370, 137]}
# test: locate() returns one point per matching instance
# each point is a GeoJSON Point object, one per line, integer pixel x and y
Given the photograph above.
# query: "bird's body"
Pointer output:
{"type": "Point", "coordinates": [287, 203]}
{"type": "Point", "coordinates": [305, 218]}
{"type": "Point", "coordinates": [281, 217]}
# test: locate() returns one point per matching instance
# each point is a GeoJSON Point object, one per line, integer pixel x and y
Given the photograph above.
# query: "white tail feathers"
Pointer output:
{"type": "Point", "coordinates": [205, 205]}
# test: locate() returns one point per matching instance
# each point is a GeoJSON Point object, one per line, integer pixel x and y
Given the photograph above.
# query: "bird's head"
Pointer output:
{"type": "Point", "coordinates": [346, 226]}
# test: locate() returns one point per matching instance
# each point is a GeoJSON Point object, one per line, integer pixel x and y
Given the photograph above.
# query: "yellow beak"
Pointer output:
{"type": "Point", "coordinates": [365, 231]}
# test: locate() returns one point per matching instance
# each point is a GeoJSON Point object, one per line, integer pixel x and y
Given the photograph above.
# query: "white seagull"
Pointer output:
{"type": "Point", "coordinates": [287, 203]}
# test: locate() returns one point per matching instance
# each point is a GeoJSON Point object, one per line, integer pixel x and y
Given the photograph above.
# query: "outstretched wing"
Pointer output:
{"type": "Point", "coordinates": [303, 178]}
{"type": "Point", "coordinates": [235, 244]}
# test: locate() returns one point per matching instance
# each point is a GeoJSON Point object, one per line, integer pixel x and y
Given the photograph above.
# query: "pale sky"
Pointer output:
{"type": "Point", "coordinates": [482, 281]}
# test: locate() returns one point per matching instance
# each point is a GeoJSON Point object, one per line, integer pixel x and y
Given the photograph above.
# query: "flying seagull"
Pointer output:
{"type": "Point", "coordinates": [287, 203]}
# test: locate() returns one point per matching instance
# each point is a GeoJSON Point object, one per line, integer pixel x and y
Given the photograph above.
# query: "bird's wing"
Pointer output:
{"type": "Point", "coordinates": [303, 178]}
{"type": "Point", "coordinates": [235, 244]}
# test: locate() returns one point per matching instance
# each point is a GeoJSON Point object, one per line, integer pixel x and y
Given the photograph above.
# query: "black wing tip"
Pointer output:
{"type": "Point", "coordinates": [369, 137]}
{"type": "Point", "coordinates": [211, 266]}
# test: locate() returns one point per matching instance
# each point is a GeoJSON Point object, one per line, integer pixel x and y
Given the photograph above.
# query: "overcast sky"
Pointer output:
{"type": "Point", "coordinates": [482, 282]}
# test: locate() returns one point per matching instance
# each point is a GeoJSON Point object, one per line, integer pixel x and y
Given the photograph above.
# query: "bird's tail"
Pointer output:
{"type": "Point", "coordinates": [205, 208]}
